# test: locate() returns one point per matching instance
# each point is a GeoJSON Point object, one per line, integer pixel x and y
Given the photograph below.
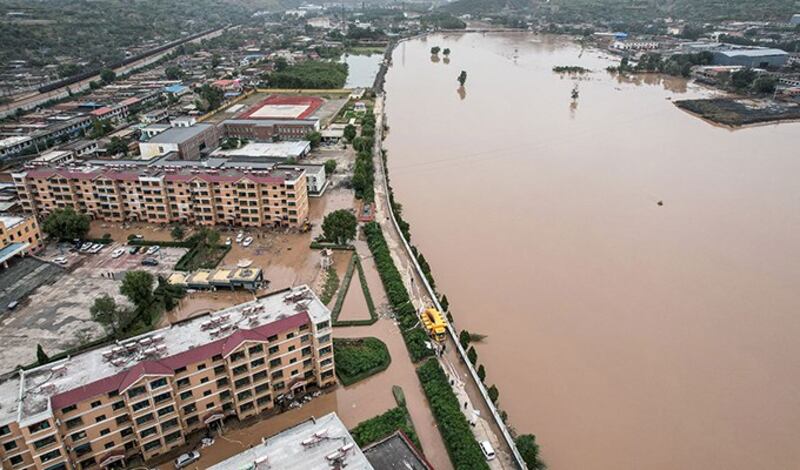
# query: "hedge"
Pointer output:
{"type": "Point", "coordinates": [332, 246]}
{"type": "Point", "coordinates": [358, 358]}
{"type": "Point", "coordinates": [355, 263]}
{"type": "Point", "coordinates": [415, 338]}
{"type": "Point", "coordinates": [462, 447]}
{"type": "Point", "coordinates": [381, 426]}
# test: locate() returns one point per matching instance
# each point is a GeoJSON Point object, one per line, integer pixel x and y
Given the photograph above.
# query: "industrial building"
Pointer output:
{"type": "Point", "coordinates": [750, 57]}
{"type": "Point", "coordinates": [268, 130]}
{"type": "Point", "coordinates": [189, 142]}
{"type": "Point", "coordinates": [144, 395]}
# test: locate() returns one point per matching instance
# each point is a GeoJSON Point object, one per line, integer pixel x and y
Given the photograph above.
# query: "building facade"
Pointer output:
{"type": "Point", "coordinates": [20, 230]}
{"type": "Point", "coordinates": [253, 198]}
{"type": "Point", "coordinates": [267, 130]}
{"type": "Point", "coordinates": [144, 395]}
{"type": "Point", "coordinates": [189, 142]}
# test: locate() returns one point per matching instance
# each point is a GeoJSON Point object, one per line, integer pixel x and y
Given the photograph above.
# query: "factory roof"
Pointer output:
{"type": "Point", "coordinates": [179, 135]}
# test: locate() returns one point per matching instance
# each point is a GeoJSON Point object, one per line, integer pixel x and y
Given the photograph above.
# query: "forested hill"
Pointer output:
{"type": "Point", "coordinates": [577, 11]}
{"type": "Point", "coordinates": [101, 30]}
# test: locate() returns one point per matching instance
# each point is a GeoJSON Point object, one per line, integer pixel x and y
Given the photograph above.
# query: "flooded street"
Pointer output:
{"type": "Point", "coordinates": [624, 333]}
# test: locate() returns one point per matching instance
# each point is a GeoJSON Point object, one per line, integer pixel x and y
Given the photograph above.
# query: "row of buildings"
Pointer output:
{"type": "Point", "coordinates": [144, 395]}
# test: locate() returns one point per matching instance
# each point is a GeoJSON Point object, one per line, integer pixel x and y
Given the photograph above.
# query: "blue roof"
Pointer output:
{"type": "Point", "coordinates": [10, 250]}
{"type": "Point", "coordinates": [174, 88]}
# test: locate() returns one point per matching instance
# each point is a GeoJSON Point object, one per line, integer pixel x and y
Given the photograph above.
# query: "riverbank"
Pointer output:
{"type": "Point", "coordinates": [741, 111]}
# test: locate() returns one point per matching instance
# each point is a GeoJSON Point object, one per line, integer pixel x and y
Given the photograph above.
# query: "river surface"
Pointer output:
{"type": "Point", "coordinates": [361, 69]}
{"type": "Point", "coordinates": [623, 333]}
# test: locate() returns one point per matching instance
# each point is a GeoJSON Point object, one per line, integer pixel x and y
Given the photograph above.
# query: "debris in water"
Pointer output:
{"type": "Point", "coordinates": [660, 203]}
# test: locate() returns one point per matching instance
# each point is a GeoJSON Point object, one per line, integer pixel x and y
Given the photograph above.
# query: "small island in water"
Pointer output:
{"type": "Point", "coordinates": [573, 69]}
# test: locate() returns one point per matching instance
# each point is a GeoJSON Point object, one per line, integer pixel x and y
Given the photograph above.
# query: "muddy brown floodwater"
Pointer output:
{"type": "Point", "coordinates": [625, 334]}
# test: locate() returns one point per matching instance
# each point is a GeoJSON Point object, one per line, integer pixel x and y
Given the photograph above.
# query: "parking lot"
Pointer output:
{"type": "Point", "coordinates": [54, 301]}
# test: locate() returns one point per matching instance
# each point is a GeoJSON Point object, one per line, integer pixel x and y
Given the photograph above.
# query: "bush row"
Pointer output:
{"type": "Point", "coordinates": [381, 426]}
{"type": "Point", "coordinates": [358, 358]}
{"type": "Point", "coordinates": [399, 300]}
{"type": "Point", "coordinates": [355, 263]}
{"type": "Point", "coordinates": [456, 432]}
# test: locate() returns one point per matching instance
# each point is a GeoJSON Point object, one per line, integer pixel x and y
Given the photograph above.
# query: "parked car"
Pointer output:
{"type": "Point", "coordinates": [96, 248]}
{"type": "Point", "coordinates": [247, 241]}
{"type": "Point", "coordinates": [149, 261]}
{"type": "Point", "coordinates": [133, 250]}
{"type": "Point", "coordinates": [117, 253]}
{"type": "Point", "coordinates": [138, 237]}
{"type": "Point", "coordinates": [239, 237]}
{"type": "Point", "coordinates": [153, 250]}
{"type": "Point", "coordinates": [488, 450]}
{"type": "Point", "coordinates": [86, 246]}
{"type": "Point", "coordinates": [12, 305]}
{"type": "Point", "coordinates": [228, 241]}
{"type": "Point", "coordinates": [187, 459]}
{"type": "Point", "coordinates": [60, 260]}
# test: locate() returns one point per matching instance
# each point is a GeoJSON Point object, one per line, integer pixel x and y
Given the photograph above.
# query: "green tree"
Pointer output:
{"type": "Point", "coordinates": [66, 224]}
{"type": "Point", "coordinates": [481, 372]}
{"type": "Point", "coordinates": [743, 78]}
{"type": "Point", "coordinates": [462, 77]}
{"type": "Point", "coordinates": [765, 84]}
{"type": "Point", "coordinates": [177, 232]}
{"type": "Point", "coordinates": [529, 449]}
{"type": "Point", "coordinates": [463, 338]}
{"type": "Point", "coordinates": [435, 50]}
{"type": "Point", "coordinates": [446, 51]}
{"type": "Point", "coordinates": [41, 356]}
{"type": "Point", "coordinates": [349, 132]}
{"type": "Point", "coordinates": [137, 286]}
{"type": "Point", "coordinates": [211, 97]}
{"type": "Point", "coordinates": [444, 303]}
{"type": "Point", "coordinates": [339, 226]}
{"type": "Point", "coordinates": [100, 127]}
{"type": "Point", "coordinates": [472, 355]}
{"type": "Point", "coordinates": [215, 61]}
{"type": "Point", "coordinates": [494, 393]}
{"type": "Point", "coordinates": [68, 70]}
{"type": "Point", "coordinates": [105, 311]}
{"type": "Point", "coordinates": [330, 166]}
{"type": "Point", "coordinates": [107, 76]}
{"type": "Point", "coordinates": [315, 138]}
{"type": "Point", "coordinates": [173, 72]}
{"type": "Point", "coordinates": [117, 146]}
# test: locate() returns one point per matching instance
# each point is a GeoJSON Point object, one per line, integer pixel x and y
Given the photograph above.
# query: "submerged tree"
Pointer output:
{"type": "Point", "coordinates": [435, 50]}
{"type": "Point", "coordinates": [462, 77]}
{"type": "Point", "coordinates": [446, 51]}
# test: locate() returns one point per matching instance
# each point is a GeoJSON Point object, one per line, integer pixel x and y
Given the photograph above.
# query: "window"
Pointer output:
{"type": "Point", "coordinates": [158, 383]}
{"type": "Point", "coordinates": [277, 374]}
{"type": "Point", "coordinates": [166, 410]}
{"type": "Point", "coordinates": [126, 432]}
{"type": "Point", "coordinates": [67, 409]}
{"type": "Point", "coordinates": [279, 386]}
{"type": "Point", "coordinates": [255, 349]}
{"type": "Point", "coordinates": [263, 400]}
{"type": "Point", "coordinates": [275, 362]}
{"type": "Point", "coordinates": [325, 350]}
{"type": "Point", "coordinates": [97, 403]}
{"type": "Point", "coordinates": [243, 395]}
{"type": "Point", "coordinates": [172, 436]}
{"type": "Point", "coordinates": [262, 388]}
{"type": "Point", "coordinates": [180, 370]}
{"type": "Point", "coordinates": [306, 351]}
{"type": "Point", "coordinates": [123, 419]}
{"type": "Point", "coordinates": [290, 336]}
{"type": "Point", "coordinates": [225, 395]}
{"type": "Point", "coordinates": [4, 430]}
{"type": "Point", "coordinates": [222, 382]}
{"type": "Point", "coordinates": [242, 382]}
{"type": "Point", "coordinates": [207, 393]}
{"type": "Point", "coordinates": [292, 360]}
{"type": "Point", "coordinates": [143, 419]}
{"type": "Point", "coordinates": [307, 363]}
{"type": "Point", "coordinates": [78, 435]}
{"type": "Point", "coordinates": [148, 432]}
{"type": "Point", "coordinates": [118, 405]}
{"type": "Point", "coordinates": [170, 423]}
{"type": "Point", "coordinates": [100, 418]}
{"type": "Point", "coordinates": [16, 460]}
{"type": "Point", "coordinates": [183, 382]}
{"type": "Point", "coordinates": [247, 406]}
{"type": "Point", "coordinates": [53, 454]}
{"type": "Point", "coordinates": [162, 397]}
{"type": "Point", "coordinates": [272, 338]}
{"type": "Point", "coordinates": [324, 338]}
{"type": "Point", "coordinates": [193, 420]}
{"type": "Point", "coordinates": [105, 432]}
{"type": "Point", "coordinates": [141, 405]}
{"type": "Point", "coordinates": [40, 426]}
{"type": "Point", "coordinates": [83, 449]}
{"type": "Point", "coordinates": [257, 362]}
{"type": "Point", "coordinates": [240, 369]}
{"type": "Point", "coordinates": [152, 445]}
{"type": "Point", "coordinates": [274, 349]}
{"type": "Point", "coordinates": [188, 409]}
{"type": "Point", "coordinates": [237, 356]}
{"type": "Point", "coordinates": [136, 391]}
{"type": "Point", "coordinates": [217, 357]}
{"type": "Point", "coordinates": [201, 366]}
{"type": "Point", "coordinates": [11, 445]}
{"type": "Point", "coordinates": [219, 369]}
{"type": "Point", "coordinates": [259, 375]}
{"type": "Point", "coordinates": [186, 395]}
{"type": "Point", "coordinates": [322, 325]}
{"type": "Point", "coordinates": [74, 422]}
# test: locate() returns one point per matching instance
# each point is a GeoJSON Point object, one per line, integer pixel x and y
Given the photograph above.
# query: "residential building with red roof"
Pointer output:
{"type": "Point", "coordinates": [144, 395]}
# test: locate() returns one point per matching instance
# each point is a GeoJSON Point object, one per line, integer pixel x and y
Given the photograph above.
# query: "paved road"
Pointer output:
{"type": "Point", "coordinates": [466, 390]}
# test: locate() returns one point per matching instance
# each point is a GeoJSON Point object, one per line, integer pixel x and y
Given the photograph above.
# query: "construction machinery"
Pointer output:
{"type": "Point", "coordinates": [435, 324]}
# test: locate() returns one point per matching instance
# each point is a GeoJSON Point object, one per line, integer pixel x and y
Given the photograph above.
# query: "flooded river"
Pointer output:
{"type": "Point", "coordinates": [636, 269]}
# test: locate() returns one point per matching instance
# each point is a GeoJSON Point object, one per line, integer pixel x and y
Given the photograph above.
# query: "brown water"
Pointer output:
{"type": "Point", "coordinates": [624, 334]}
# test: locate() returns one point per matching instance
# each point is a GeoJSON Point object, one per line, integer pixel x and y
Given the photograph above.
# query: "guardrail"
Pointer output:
{"type": "Point", "coordinates": [451, 331]}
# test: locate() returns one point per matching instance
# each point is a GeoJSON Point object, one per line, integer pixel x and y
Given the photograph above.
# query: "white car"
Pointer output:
{"type": "Point", "coordinates": [86, 246]}
{"type": "Point", "coordinates": [117, 253]}
{"type": "Point", "coordinates": [239, 237]}
{"type": "Point", "coordinates": [153, 250]}
{"type": "Point", "coordinates": [96, 248]}
{"type": "Point", "coordinates": [488, 450]}
{"type": "Point", "coordinates": [228, 241]}
{"type": "Point", "coordinates": [247, 241]}
{"type": "Point", "coordinates": [187, 459]}
{"type": "Point", "coordinates": [60, 260]}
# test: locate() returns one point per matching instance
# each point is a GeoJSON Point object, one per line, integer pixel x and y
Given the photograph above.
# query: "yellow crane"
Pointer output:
{"type": "Point", "coordinates": [435, 324]}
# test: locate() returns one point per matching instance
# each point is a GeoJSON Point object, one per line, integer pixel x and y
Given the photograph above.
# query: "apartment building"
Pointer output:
{"type": "Point", "coordinates": [266, 130]}
{"type": "Point", "coordinates": [18, 235]}
{"type": "Point", "coordinates": [236, 196]}
{"type": "Point", "coordinates": [144, 395]}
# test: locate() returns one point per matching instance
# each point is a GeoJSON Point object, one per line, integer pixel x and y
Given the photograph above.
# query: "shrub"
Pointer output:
{"type": "Point", "coordinates": [494, 393]}
{"type": "Point", "coordinates": [464, 338]}
{"type": "Point", "coordinates": [529, 449]}
{"type": "Point", "coordinates": [456, 433]}
{"type": "Point", "coordinates": [331, 284]}
{"type": "Point", "coordinates": [357, 359]}
{"type": "Point", "coordinates": [375, 429]}
{"type": "Point", "coordinates": [481, 373]}
{"type": "Point", "coordinates": [472, 355]}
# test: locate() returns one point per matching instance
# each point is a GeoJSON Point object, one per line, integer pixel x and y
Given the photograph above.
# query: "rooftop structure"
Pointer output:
{"type": "Point", "coordinates": [317, 444]}
{"type": "Point", "coordinates": [396, 452]}
{"type": "Point", "coordinates": [281, 150]}
{"type": "Point", "coordinates": [284, 107]}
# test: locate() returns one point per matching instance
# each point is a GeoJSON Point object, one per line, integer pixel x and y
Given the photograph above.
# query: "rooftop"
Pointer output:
{"type": "Point", "coordinates": [32, 395]}
{"type": "Point", "coordinates": [10, 220]}
{"type": "Point", "coordinates": [396, 452]}
{"type": "Point", "coordinates": [178, 135]}
{"type": "Point", "coordinates": [268, 149]}
{"type": "Point", "coordinates": [755, 52]}
{"type": "Point", "coordinates": [316, 444]}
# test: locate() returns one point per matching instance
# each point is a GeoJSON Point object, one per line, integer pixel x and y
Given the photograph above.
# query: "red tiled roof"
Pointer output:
{"type": "Point", "coordinates": [129, 101]}
{"type": "Point", "coordinates": [167, 365]}
{"type": "Point", "coordinates": [101, 111]}
{"type": "Point", "coordinates": [312, 104]}
{"type": "Point", "coordinates": [116, 175]}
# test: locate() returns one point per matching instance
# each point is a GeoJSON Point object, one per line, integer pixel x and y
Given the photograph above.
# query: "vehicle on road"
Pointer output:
{"type": "Point", "coordinates": [149, 261]}
{"type": "Point", "coordinates": [60, 260]}
{"type": "Point", "coordinates": [187, 459]}
{"type": "Point", "coordinates": [247, 241]}
{"type": "Point", "coordinates": [153, 250]}
{"type": "Point", "coordinates": [138, 237]}
{"type": "Point", "coordinates": [435, 324]}
{"type": "Point", "coordinates": [86, 246]}
{"type": "Point", "coordinates": [228, 241]}
{"type": "Point", "coordinates": [133, 250]}
{"type": "Point", "coordinates": [117, 253]}
{"type": "Point", "coordinates": [240, 237]}
{"type": "Point", "coordinates": [96, 248]}
{"type": "Point", "coordinates": [12, 305]}
{"type": "Point", "coordinates": [488, 450]}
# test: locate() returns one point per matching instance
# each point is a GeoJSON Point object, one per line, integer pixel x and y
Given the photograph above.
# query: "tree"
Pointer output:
{"type": "Point", "coordinates": [446, 51]}
{"type": "Point", "coordinates": [41, 356]}
{"type": "Point", "coordinates": [435, 50]}
{"type": "Point", "coordinates": [215, 61]}
{"type": "Point", "coordinates": [315, 138]}
{"type": "Point", "coordinates": [137, 286]}
{"type": "Point", "coordinates": [177, 232]}
{"type": "Point", "coordinates": [529, 449]}
{"type": "Point", "coordinates": [100, 128]}
{"type": "Point", "coordinates": [211, 96]}
{"type": "Point", "coordinates": [494, 393]}
{"type": "Point", "coordinates": [105, 311]}
{"type": "Point", "coordinates": [330, 166]}
{"type": "Point", "coordinates": [173, 72]}
{"type": "Point", "coordinates": [444, 303]}
{"type": "Point", "coordinates": [117, 146]}
{"type": "Point", "coordinates": [765, 84]}
{"type": "Point", "coordinates": [462, 77]}
{"type": "Point", "coordinates": [107, 76]}
{"type": "Point", "coordinates": [339, 226]}
{"type": "Point", "coordinates": [349, 132]}
{"type": "Point", "coordinates": [472, 355]}
{"type": "Point", "coordinates": [463, 338]}
{"type": "Point", "coordinates": [481, 372]}
{"type": "Point", "coordinates": [66, 224]}
{"type": "Point", "coordinates": [743, 78]}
